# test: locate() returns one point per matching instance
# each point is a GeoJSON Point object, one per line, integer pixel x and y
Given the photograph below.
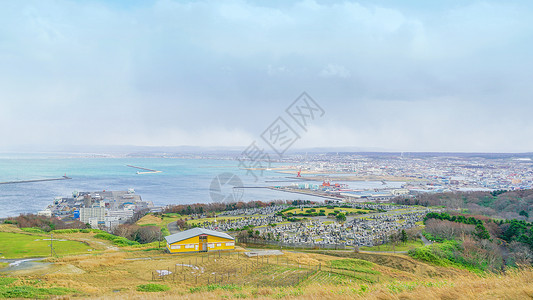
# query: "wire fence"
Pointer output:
{"type": "Point", "coordinates": [293, 245]}
{"type": "Point", "coordinates": [235, 268]}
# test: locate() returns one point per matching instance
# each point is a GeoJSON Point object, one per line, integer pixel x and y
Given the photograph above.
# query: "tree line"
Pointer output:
{"type": "Point", "coordinates": [207, 208]}
{"type": "Point", "coordinates": [500, 204]}
{"type": "Point", "coordinates": [476, 241]}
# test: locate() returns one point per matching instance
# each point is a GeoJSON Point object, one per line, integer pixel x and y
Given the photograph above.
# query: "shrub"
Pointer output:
{"type": "Point", "coordinates": [33, 230]}
{"type": "Point", "coordinates": [7, 280]}
{"type": "Point", "coordinates": [152, 287]}
{"type": "Point", "coordinates": [117, 240]}
{"type": "Point", "coordinates": [439, 254]}
{"type": "Point", "coordinates": [164, 231]}
{"type": "Point", "coordinates": [25, 291]}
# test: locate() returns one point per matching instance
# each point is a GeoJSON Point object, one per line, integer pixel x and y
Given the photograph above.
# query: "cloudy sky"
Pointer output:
{"type": "Point", "coordinates": [454, 76]}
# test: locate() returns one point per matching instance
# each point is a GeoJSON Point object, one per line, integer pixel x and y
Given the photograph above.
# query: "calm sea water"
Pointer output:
{"type": "Point", "coordinates": [182, 181]}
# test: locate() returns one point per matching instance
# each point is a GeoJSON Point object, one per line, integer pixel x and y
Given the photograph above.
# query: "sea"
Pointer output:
{"type": "Point", "coordinates": [181, 180]}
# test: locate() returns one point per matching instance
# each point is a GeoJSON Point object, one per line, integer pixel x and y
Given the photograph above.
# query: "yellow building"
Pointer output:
{"type": "Point", "coordinates": [199, 240]}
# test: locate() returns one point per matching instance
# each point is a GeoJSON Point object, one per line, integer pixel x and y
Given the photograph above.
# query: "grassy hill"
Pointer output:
{"type": "Point", "coordinates": [132, 272]}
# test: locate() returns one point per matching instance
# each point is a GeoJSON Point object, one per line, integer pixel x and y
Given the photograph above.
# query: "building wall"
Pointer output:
{"type": "Point", "coordinates": [217, 243]}
{"type": "Point", "coordinates": [92, 212]}
{"type": "Point", "coordinates": [188, 245]}
{"type": "Point", "coordinates": [193, 245]}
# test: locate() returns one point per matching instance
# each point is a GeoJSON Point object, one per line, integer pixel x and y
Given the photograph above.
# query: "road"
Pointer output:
{"type": "Point", "coordinates": [173, 228]}
{"type": "Point", "coordinates": [426, 241]}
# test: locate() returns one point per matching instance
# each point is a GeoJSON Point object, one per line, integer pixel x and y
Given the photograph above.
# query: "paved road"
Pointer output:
{"type": "Point", "coordinates": [173, 228]}
{"type": "Point", "coordinates": [426, 241]}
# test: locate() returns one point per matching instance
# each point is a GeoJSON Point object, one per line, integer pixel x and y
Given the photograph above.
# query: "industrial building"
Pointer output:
{"type": "Point", "coordinates": [199, 240]}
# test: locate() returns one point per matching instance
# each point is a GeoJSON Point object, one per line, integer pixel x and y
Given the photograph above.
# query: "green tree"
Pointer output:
{"type": "Point", "coordinates": [341, 217]}
{"type": "Point", "coordinates": [481, 232]}
{"type": "Point", "coordinates": [403, 236]}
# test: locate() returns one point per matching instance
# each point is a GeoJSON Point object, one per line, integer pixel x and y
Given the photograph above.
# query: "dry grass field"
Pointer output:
{"type": "Point", "coordinates": [118, 273]}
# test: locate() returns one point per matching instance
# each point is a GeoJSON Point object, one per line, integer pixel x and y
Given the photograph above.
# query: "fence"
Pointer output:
{"type": "Point", "coordinates": [235, 268]}
{"type": "Point", "coordinates": [293, 245]}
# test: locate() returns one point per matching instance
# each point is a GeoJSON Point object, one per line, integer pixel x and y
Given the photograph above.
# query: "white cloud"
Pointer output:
{"type": "Point", "coordinates": [218, 72]}
{"type": "Point", "coordinates": [332, 70]}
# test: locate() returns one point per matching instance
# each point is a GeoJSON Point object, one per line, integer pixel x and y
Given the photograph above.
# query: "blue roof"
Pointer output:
{"type": "Point", "coordinates": [187, 234]}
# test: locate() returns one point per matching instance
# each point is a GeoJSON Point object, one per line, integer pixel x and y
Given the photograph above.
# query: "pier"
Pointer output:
{"type": "Point", "coordinates": [35, 180]}
{"type": "Point", "coordinates": [251, 187]}
{"type": "Point", "coordinates": [146, 170]}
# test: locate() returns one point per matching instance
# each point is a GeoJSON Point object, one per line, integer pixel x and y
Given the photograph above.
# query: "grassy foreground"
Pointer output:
{"type": "Point", "coordinates": [128, 273]}
{"type": "Point", "coordinates": [15, 288]}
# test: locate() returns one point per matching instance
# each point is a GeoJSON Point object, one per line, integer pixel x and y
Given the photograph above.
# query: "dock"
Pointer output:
{"type": "Point", "coordinates": [146, 170]}
{"type": "Point", "coordinates": [251, 187]}
{"type": "Point", "coordinates": [35, 180]}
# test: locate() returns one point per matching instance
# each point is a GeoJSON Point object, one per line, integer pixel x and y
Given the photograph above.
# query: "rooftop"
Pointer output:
{"type": "Point", "coordinates": [187, 234]}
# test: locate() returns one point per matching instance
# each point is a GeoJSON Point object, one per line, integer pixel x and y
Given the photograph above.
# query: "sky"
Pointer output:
{"type": "Point", "coordinates": [389, 75]}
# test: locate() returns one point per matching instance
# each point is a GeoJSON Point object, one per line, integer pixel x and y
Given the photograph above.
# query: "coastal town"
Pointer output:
{"type": "Point", "coordinates": [339, 177]}
{"type": "Point", "coordinates": [335, 179]}
{"type": "Point", "coordinates": [104, 209]}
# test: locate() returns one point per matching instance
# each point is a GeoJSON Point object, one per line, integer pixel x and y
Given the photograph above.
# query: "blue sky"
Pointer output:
{"type": "Point", "coordinates": [391, 75]}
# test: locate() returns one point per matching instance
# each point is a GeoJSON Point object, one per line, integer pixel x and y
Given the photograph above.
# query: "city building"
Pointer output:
{"type": "Point", "coordinates": [91, 214]}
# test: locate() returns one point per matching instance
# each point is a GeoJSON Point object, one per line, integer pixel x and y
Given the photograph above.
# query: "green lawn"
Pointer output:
{"type": "Point", "coordinates": [17, 245]}
{"type": "Point", "coordinates": [389, 247]}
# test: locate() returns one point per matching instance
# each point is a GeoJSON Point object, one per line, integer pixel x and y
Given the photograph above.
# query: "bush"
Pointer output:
{"type": "Point", "coordinates": [425, 254]}
{"type": "Point", "coordinates": [341, 217]}
{"type": "Point", "coordinates": [7, 280]}
{"type": "Point", "coordinates": [433, 238]}
{"type": "Point", "coordinates": [164, 231]}
{"type": "Point", "coordinates": [33, 230]}
{"type": "Point", "coordinates": [152, 287]}
{"type": "Point", "coordinates": [24, 291]}
{"type": "Point", "coordinates": [439, 254]}
{"type": "Point", "coordinates": [117, 240]}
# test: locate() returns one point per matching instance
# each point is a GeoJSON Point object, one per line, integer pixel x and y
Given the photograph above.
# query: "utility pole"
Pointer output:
{"type": "Point", "coordinates": [52, 252]}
